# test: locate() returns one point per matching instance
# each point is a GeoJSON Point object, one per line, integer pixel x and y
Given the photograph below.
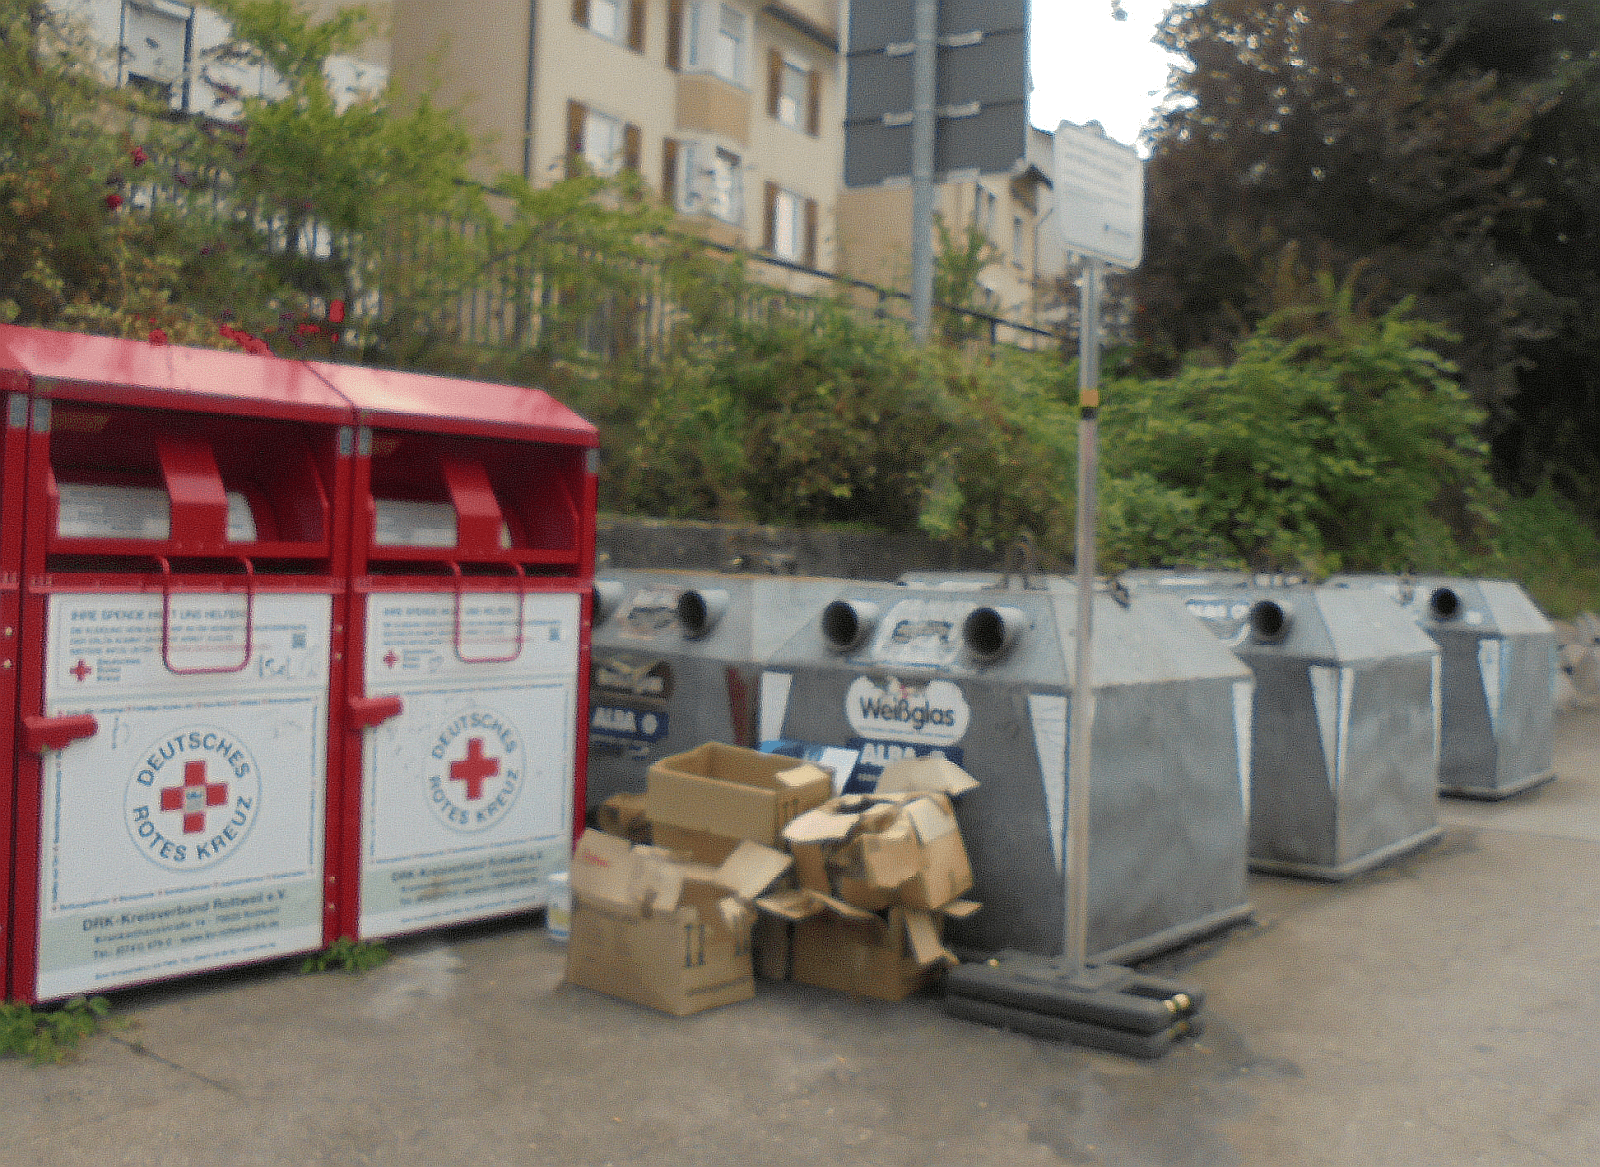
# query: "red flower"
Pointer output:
{"type": "Point", "coordinates": [139, 156]}
{"type": "Point", "coordinates": [336, 312]}
{"type": "Point", "coordinates": [158, 336]}
{"type": "Point", "coordinates": [113, 200]}
{"type": "Point", "coordinates": [308, 329]}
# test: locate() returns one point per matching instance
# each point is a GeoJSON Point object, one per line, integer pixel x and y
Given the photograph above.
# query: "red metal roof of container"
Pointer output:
{"type": "Point", "coordinates": [418, 401]}
{"type": "Point", "coordinates": [163, 376]}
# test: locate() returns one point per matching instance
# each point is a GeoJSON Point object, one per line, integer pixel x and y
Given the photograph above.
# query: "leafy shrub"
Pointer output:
{"type": "Point", "coordinates": [51, 1035]}
{"type": "Point", "coordinates": [1331, 442]}
{"type": "Point", "coordinates": [1548, 547]}
{"type": "Point", "coordinates": [347, 955]}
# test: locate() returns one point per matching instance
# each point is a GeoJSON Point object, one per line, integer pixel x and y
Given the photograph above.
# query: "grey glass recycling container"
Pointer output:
{"type": "Point", "coordinates": [1344, 738]}
{"type": "Point", "coordinates": [984, 677]}
{"type": "Point", "coordinates": [676, 661]}
{"type": "Point", "coordinates": [1499, 680]}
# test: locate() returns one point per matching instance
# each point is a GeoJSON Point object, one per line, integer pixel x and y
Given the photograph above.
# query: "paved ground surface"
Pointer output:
{"type": "Point", "coordinates": [1440, 1011]}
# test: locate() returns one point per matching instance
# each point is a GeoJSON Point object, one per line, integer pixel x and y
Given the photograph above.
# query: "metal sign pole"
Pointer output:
{"type": "Point", "coordinates": [924, 81]}
{"type": "Point", "coordinates": [1082, 722]}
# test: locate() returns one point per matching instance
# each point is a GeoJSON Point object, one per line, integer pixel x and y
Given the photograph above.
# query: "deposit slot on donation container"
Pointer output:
{"type": "Point", "coordinates": [182, 596]}
{"type": "Point", "coordinates": [471, 582]}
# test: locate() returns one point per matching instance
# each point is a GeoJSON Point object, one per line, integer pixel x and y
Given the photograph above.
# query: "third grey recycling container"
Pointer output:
{"type": "Point", "coordinates": [1344, 728]}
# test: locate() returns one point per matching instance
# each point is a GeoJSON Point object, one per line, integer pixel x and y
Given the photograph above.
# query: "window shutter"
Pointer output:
{"type": "Point", "coordinates": [632, 147]}
{"type": "Point", "coordinates": [636, 25]}
{"type": "Point", "coordinates": [813, 103]}
{"type": "Point", "coordinates": [808, 253]}
{"type": "Point", "coordinates": [769, 219]}
{"type": "Point", "coordinates": [577, 112]}
{"type": "Point", "coordinates": [580, 12]}
{"type": "Point", "coordinates": [774, 81]}
{"type": "Point", "coordinates": [669, 170]}
{"type": "Point", "coordinates": [674, 34]}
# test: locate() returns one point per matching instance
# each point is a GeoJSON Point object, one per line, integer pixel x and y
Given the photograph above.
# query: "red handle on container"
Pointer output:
{"type": "Point", "coordinates": [522, 594]}
{"type": "Point", "coordinates": [166, 622]}
{"type": "Point", "coordinates": [56, 733]}
{"type": "Point", "coordinates": [366, 712]}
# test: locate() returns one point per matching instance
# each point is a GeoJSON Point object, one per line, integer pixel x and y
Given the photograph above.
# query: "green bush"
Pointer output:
{"type": "Point", "coordinates": [51, 1035]}
{"type": "Point", "coordinates": [1331, 442]}
{"type": "Point", "coordinates": [1547, 547]}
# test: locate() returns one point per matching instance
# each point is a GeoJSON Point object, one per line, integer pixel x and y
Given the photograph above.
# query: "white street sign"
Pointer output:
{"type": "Point", "coordinates": [1099, 187]}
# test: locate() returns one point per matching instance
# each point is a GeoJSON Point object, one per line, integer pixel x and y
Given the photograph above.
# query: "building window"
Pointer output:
{"type": "Point", "coordinates": [1018, 237]}
{"type": "Point", "coordinates": [793, 82]}
{"type": "Point", "coordinates": [716, 38]}
{"type": "Point", "coordinates": [604, 144]}
{"type": "Point", "coordinates": [710, 183]}
{"type": "Point", "coordinates": [794, 94]}
{"type": "Point", "coordinates": [791, 226]}
{"type": "Point", "coordinates": [983, 204]}
{"type": "Point", "coordinates": [605, 18]}
{"type": "Point", "coordinates": [155, 45]}
{"type": "Point", "coordinates": [618, 20]}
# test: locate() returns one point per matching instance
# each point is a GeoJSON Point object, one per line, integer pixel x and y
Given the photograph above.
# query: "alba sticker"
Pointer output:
{"type": "Point", "coordinates": [193, 799]}
{"type": "Point", "coordinates": [474, 770]}
{"type": "Point", "coordinates": [933, 714]}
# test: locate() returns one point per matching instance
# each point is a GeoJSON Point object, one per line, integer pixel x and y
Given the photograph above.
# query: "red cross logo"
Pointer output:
{"type": "Point", "coordinates": [390, 659]}
{"type": "Point", "coordinates": [474, 768]}
{"type": "Point", "coordinates": [194, 796]}
{"type": "Point", "coordinates": [80, 670]}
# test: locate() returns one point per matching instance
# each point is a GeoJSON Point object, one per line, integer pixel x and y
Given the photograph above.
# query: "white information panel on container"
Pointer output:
{"type": "Point", "coordinates": [187, 832]}
{"type": "Point", "coordinates": [467, 794]}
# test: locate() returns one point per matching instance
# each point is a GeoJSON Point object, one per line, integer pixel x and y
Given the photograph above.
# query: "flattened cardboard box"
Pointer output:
{"type": "Point", "coordinates": [876, 851]}
{"type": "Point", "coordinates": [717, 792]}
{"type": "Point", "coordinates": [650, 927]}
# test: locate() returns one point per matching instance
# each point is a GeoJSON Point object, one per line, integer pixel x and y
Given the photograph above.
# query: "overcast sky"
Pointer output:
{"type": "Point", "coordinates": [1087, 66]}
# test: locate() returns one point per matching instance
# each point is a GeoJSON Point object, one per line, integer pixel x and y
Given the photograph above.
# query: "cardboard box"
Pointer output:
{"type": "Point", "coordinates": [651, 926]}
{"type": "Point", "coordinates": [868, 959]}
{"type": "Point", "coordinates": [836, 945]}
{"type": "Point", "coordinates": [624, 816]}
{"type": "Point", "coordinates": [771, 946]}
{"type": "Point", "coordinates": [926, 775]}
{"type": "Point", "coordinates": [702, 846]}
{"type": "Point", "coordinates": [881, 850]}
{"type": "Point", "coordinates": [677, 962]}
{"type": "Point", "coordinates": [732, 792]}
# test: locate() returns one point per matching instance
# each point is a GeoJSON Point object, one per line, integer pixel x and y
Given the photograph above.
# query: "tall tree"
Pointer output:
{"type": "Point", "coordinates": [1440, 146]}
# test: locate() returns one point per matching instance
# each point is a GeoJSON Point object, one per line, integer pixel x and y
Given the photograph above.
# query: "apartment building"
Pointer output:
{"type": "Point", "coordinates": [1016, 211]}
{"type": "Point", "coordinates": [178, 54]}
{"type": "Point", "coordinates": [733, 109]}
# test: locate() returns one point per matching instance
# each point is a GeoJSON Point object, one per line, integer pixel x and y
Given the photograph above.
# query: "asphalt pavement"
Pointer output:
{"type": "Point", "coordinates": [1439, 1010]}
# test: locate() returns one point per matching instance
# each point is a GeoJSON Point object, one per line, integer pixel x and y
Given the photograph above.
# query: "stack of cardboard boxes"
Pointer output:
{"type": "Point", "coordinates": [874, 877]}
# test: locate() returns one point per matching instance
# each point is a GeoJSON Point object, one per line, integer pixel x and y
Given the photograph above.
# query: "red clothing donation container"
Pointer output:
{"type": "Point", "coordinates": [471, 584]}
{"type": "Point", "coordinates": [13, 458]}
{"type": "Point", "coordinates": [182, 600]}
